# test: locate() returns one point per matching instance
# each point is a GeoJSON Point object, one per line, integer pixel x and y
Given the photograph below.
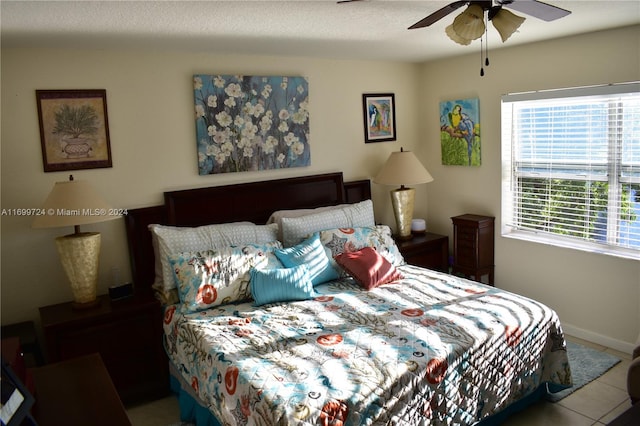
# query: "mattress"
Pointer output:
{"type": "Point", "coordinates": [431, 349]}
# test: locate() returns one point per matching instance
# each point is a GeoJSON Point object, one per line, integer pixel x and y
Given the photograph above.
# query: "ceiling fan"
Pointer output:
{"type": "Point", "coordinates": [534, 8]}
{"type": "Point", "coordinates": [505, 22]}
{"type": "Point", "coordinates": [470, 24]}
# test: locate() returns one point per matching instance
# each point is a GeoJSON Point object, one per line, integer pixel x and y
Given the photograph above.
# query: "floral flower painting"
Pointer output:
{"type": "Point", "coordinates": [249, 123]}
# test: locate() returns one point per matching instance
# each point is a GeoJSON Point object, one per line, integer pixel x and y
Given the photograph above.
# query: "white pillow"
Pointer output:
{"type": "Point", "coordinates": [170, 240]}
{"type": "Point", "coordinates": [296, 229]}
{"type": "Point", "coordinates": [276, 217]}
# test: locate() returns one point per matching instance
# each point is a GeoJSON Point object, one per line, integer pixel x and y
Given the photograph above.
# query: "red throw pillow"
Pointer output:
{"type": "Point", "coordinates": [368, 267]}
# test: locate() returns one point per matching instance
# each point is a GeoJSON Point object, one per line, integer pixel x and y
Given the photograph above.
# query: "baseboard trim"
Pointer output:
{"type": "Point", "coordinates": [600, 339]}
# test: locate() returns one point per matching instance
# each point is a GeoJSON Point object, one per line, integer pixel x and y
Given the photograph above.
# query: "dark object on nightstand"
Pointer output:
{"type": "Point", "coordinates": [427, 250]}
{"type": "Point", "coordinates": [77, 392]}
{"type": "Point", "coordinates": [127, 334]}
{"type": "Point", "coordinates": [119, 292]}
{"type": "Point", "coordinates": [473, 248]}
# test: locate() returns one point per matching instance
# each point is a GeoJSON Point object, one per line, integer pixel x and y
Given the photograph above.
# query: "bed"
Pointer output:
{"type": "Point", "coordinates": [362, 339]}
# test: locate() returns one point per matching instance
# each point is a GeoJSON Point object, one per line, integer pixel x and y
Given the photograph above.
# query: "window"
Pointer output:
{"type": "Point", "coordinates": [571, 168]}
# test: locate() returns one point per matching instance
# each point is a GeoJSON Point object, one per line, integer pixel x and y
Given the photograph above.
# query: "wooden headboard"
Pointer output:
{"type": "Point", "coordinates": [252, 202]}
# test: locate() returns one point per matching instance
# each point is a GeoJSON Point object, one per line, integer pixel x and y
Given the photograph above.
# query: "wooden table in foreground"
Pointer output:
{"type": "Point", "coordinates": [77, 392]}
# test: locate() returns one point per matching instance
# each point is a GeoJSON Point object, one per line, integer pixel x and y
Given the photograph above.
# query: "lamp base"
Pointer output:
{"type": "Point", "coordinates": [403, 237]}
{"type": "Point", "coordinates": [402, 200]}
{"type": "Point", "coordinates": [79, 254]}
{"type": "Point", "coordinates": [81, 306]}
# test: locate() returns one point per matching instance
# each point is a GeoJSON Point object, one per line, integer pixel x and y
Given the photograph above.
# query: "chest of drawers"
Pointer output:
{"type": "Point", "coordinates": [473, 246]}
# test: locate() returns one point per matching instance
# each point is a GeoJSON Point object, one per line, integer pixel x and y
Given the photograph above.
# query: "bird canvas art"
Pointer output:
{"type": "Point", "coordinates": [460, 132]}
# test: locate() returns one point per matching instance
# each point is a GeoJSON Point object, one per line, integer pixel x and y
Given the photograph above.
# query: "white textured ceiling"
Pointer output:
{"type": "Point", "coordinates": [369, 29]}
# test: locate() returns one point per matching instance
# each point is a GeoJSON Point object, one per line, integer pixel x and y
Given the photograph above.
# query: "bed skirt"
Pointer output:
{"type": "Point", "coordinates": [190, 408]}
{"type": "Point", "coordinates": [540, 393]}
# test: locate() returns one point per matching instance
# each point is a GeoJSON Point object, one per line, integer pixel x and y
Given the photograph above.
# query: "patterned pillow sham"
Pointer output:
{"type": "Point", "coordinates": [216, 277]}
{"type": "Point", "coordinates": [171, 240]}
{"type": "Point", "coordinates": [337, 241]}
{"type": "Point", "coordinates": [296, 229]}
{"type": "Point", "coordinates": [281, 285]}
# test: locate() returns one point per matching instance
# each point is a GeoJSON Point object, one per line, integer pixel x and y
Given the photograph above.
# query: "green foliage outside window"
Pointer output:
{"type": "Point", "coordinates": [570, 207]}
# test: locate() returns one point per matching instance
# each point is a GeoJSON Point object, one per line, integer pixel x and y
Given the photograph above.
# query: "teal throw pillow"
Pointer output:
{"type": "Point", "coordinates": [313, 255]}
{"type": "Point", "coordinates": [281, 285]}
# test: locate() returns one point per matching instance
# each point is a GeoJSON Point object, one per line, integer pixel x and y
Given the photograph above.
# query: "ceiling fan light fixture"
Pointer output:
{"type": "Point", "coordinates": [470, 23]}
{"type": "Point", "coordinates": [506, 23]}
{"type": "Point", "coordinates": [455, 37]}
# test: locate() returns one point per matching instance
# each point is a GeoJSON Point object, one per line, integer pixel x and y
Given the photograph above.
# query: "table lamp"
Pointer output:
{"type": "Point", "coordinates": [75, 203]}
{"type": "Point", "coordinates": [403, 168]}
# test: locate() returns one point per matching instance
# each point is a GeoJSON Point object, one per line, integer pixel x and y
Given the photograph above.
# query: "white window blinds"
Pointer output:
{"type": "Point", "coordinates": [571, 167]}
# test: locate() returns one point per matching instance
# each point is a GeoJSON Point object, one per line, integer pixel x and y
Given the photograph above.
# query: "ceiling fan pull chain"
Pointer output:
{"type": "Point", "coordinates": [481, 59]}
{"type": "Point", "coordinates": [484, 51]}
{"type": "Point", "coordinates": [486, 45]}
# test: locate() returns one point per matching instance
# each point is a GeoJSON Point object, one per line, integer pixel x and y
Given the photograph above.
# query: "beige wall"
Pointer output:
{"type": "Point", "coordinates": [150, 107]}
{"type": "Point", "coordinates": [151, 120]}
{"type": "Point", "coordinates": [596, 296]}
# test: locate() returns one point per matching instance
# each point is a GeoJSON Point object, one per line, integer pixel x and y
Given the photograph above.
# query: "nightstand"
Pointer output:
{"type": "Point", "coordinates": [427, 250]}
{"type": "Point", "coordinates": [473, 248]}
{"type": "Point", "coordinates": [127, 334]}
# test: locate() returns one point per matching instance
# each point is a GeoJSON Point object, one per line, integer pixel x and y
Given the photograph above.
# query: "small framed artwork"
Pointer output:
{"type": "Point", "coordinates": [379, 111]}
{"type": "Point", "coordinates": [74, 129]}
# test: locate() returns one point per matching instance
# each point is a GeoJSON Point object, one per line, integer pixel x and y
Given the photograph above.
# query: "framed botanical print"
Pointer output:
{"type": "Point", "coordinates": [379, 112]}
{"type": "Point", "coordinates": [74, 129]}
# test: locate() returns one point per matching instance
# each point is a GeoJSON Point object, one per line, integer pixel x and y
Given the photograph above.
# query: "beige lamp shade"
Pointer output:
{"type": "Point", "coordinates": [506, 23]}
{"type": "Point", "coordinates": [403, 168]}
{"type": "Point", "coordinates": [470, 23]}
{"type": "Point", "coordinates": [75, 203]}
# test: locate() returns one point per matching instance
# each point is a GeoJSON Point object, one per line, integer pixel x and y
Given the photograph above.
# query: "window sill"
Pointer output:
{"type": "Point", "coordinates": [585, 246]}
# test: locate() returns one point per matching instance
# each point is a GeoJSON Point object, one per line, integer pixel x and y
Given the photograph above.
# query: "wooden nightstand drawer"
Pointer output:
{"type": "Point", "coordinates": [467, 257]}
{"type": "Point", "coordinates": [466, 242]}
{"type": "Point", "coordinates": [466, 234]}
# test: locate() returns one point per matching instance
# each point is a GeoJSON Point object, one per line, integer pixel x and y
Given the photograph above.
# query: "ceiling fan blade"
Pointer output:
{"type": "Point", "coordinates": [537, 9]}
{"type": "Point", "coordinates": [438, 14]}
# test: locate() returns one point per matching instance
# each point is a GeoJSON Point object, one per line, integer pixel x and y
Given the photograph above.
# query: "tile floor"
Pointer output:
{"type": "Point", "coordinates": [597, 403]}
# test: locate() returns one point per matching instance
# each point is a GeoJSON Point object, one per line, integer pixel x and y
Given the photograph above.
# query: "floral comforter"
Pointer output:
{"type": "Point", "coordinates": [432, 349]}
